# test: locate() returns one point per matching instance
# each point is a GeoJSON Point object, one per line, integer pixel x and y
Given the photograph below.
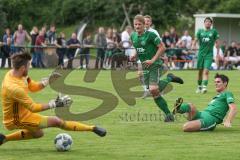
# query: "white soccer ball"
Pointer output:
{"type": "Point", "coordinates": [63, 142]}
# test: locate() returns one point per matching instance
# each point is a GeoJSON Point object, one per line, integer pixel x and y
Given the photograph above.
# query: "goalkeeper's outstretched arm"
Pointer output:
{"type": "Point", "coordinates": [20, 96]}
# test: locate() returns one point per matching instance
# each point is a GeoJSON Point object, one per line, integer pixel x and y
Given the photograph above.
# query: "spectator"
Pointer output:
{"type": "Point", "coordinates": [40, 43]}
{"type": "Point", "coordinates": [118, 57]}
{"type": "Point", "coordinates": [173, 35]}
{"type": "Point", "coordinates": [101, 43]}
{"type": "Point", "coordinates": [231, 56]}
{"type": "Point", "coordinates": [72, 44]}
{"type": "Point", "coordinates": [111, 46]}
{"type": "Point", "coordinates": [167, 40]}
{"type": "Point", "coordinates": [171, 56]}
{"type": "Point", "coordinates": [238, 54]}
{"type": "Point", "coordinates": [85, 52]}
{"type": "Point", "coordinates": [34, 34]}
{"type": "Point", "coordinates": [218, 57]}
{"type": "Point", "coordinates": [51, 35]}
{"type": "Point", "coordinates": [20, 38]}
{"type": "Point", "coordinates": [127, 45]}
{"type": "Point", "coordinates": [223, 46]}
{"type": "Point", "coordinates": [6, 49]}
{"type": "Point", "coordinates": [187, 39]}
{"type": "Point", "coordinates": [61, 44]}
{"type": "Point", "coordinates": [44, 30]}
{"type": "Point", "coordinates": [116, 36]}
{"type": "Point", "coordinates": [184, 56]}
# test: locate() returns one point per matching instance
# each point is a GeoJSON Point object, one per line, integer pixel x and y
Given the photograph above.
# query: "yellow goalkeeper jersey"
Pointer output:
{"type": "Point", "coordinates": [16, 104]}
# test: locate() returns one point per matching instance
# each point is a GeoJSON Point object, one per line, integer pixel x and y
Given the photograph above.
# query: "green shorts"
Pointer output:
{"type": "Point", "coordinates": [208, 122]}
{"type": "Point", "coordinates": [204, 62]}
{"type": "Point", "coordinates": [152, 75]}
{"type": "Point", "coordinates": [108, 54]}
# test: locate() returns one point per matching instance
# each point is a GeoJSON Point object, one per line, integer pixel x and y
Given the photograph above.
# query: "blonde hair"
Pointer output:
{"type": "Point", "coordinates": [139, 18]}
{"type": "Point", "coordinates": [149, 17]}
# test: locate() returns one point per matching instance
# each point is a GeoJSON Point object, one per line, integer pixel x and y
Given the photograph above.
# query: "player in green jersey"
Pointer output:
{"type": "Point", "coordinates": [206, 38]}
{"type": "Point", "coordinates": [220, 106]}
{"type": "Point", "coordinates": [148, 49]}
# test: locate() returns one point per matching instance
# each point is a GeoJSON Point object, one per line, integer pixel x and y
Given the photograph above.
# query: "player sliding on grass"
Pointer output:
{"type": "Point", "coordinates": [215, 112]}
{"type": "Point", "coordinates": [19, 109]}
{"type": "Point", "coordinates": [149, 48]}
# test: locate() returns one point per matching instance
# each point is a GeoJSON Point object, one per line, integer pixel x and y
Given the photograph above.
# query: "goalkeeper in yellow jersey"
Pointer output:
{"type": "Point", "coordinates": [19, 110]}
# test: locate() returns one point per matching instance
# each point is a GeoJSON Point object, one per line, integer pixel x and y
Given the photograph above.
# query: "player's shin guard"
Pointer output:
{"type": "Point", "coordinates": [76, 126]}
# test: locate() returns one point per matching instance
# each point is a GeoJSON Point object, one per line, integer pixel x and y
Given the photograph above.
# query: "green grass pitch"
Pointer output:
{"type": "Point", "coordinates": [130, 134]}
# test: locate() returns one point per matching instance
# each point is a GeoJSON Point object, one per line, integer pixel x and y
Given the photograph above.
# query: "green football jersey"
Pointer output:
{"type": "Point", "coordinates": [218, 107]}
{"type": "Point", "coordinates": [146, 46]}
{"type": "Point", "coordinates": [206, 39]}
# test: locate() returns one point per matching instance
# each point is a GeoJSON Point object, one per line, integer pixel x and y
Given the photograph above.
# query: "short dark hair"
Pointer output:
{"type": "Point", "coordinates": [20, 59]}
{"type": "Point", "coordinates": [224, 78]}
{"type": "Point", "coordinates": [208, 18]}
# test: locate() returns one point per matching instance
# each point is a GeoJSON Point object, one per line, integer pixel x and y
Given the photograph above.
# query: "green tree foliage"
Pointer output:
{"type": "Point", "coordinates": [165, 13]}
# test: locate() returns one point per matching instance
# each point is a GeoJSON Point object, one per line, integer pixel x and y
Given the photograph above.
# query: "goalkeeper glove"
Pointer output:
{"type": "Point", "coordinates": [60, 101]}
{"type": "Point", "coordinates": [45, 81]}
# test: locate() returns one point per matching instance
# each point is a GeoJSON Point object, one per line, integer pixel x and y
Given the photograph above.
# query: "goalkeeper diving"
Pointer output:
{"type": "Point", "coordinates": [20, 111]}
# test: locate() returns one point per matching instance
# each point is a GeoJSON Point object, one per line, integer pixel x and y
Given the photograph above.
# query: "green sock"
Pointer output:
{"type": "Point", "coordinates": [199, 82]}
{"type": "Point", "coordinates": [163, 83]}
{"type": "Point", "coordinates": [184, 108]}
{"type": "Point", "coordinates": [162, 104]}
{"type": "Point", "coordinates": [204, 82]}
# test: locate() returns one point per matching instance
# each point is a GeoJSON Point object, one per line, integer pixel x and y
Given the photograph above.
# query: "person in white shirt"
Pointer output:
{"type": "Point", "coordinates": [187, 39]}
{"type": "Point", "coordinates": [218, 57]}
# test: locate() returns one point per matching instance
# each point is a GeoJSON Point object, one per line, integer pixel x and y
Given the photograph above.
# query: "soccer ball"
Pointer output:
{"type": "Point", "coordinates": [63, 142]}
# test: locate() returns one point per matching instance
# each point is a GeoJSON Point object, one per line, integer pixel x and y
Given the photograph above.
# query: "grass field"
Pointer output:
{"type": "Point", "coordinates": [132, 138]}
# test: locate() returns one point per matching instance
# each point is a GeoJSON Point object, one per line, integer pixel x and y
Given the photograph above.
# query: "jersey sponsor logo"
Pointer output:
{"type": "Point", "coordinates": [206, 39]}
{"type": "Point", "coordinates": [140, 50]}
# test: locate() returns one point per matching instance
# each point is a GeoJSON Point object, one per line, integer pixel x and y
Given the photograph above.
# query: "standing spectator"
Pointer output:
{"type": "Point", "coordinates": [110, 48]}
{"type": "Point", "coordinates": [34, 34]}
{"type": "Point", "coordinates": [187, 39]}
{"type": "Point", "coordinates": [40, 43]}
{"type": "Point", "coordinates": [51, 34]}
{"type": "Point", "coordinates": [218, 57]}
{"type": "Point", "coordinates": [44, 30]}
{"type": "Point", "coordinates": [118, 56]}
{"type": "Point", "coordinates": [61, 44]}
{"type": "Point", "coordinates": [85, 52]}
{"type": "Point", "coordinates": [125, 37]}
{"type": "Point", "coordinates": [72, 45]}
{"type": "Point", "coordinates": [116, 36]}
{"type": "Point", "coordinates": [173, 35]}
{"type": "Point", "coordinates": [101, 43]}
{"type": "Point", "coordinates": [6, 49]}
{"type": "Point", "coordinates": [20, 38]}
{"type": "Point", "coordinates": [167, 40]}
